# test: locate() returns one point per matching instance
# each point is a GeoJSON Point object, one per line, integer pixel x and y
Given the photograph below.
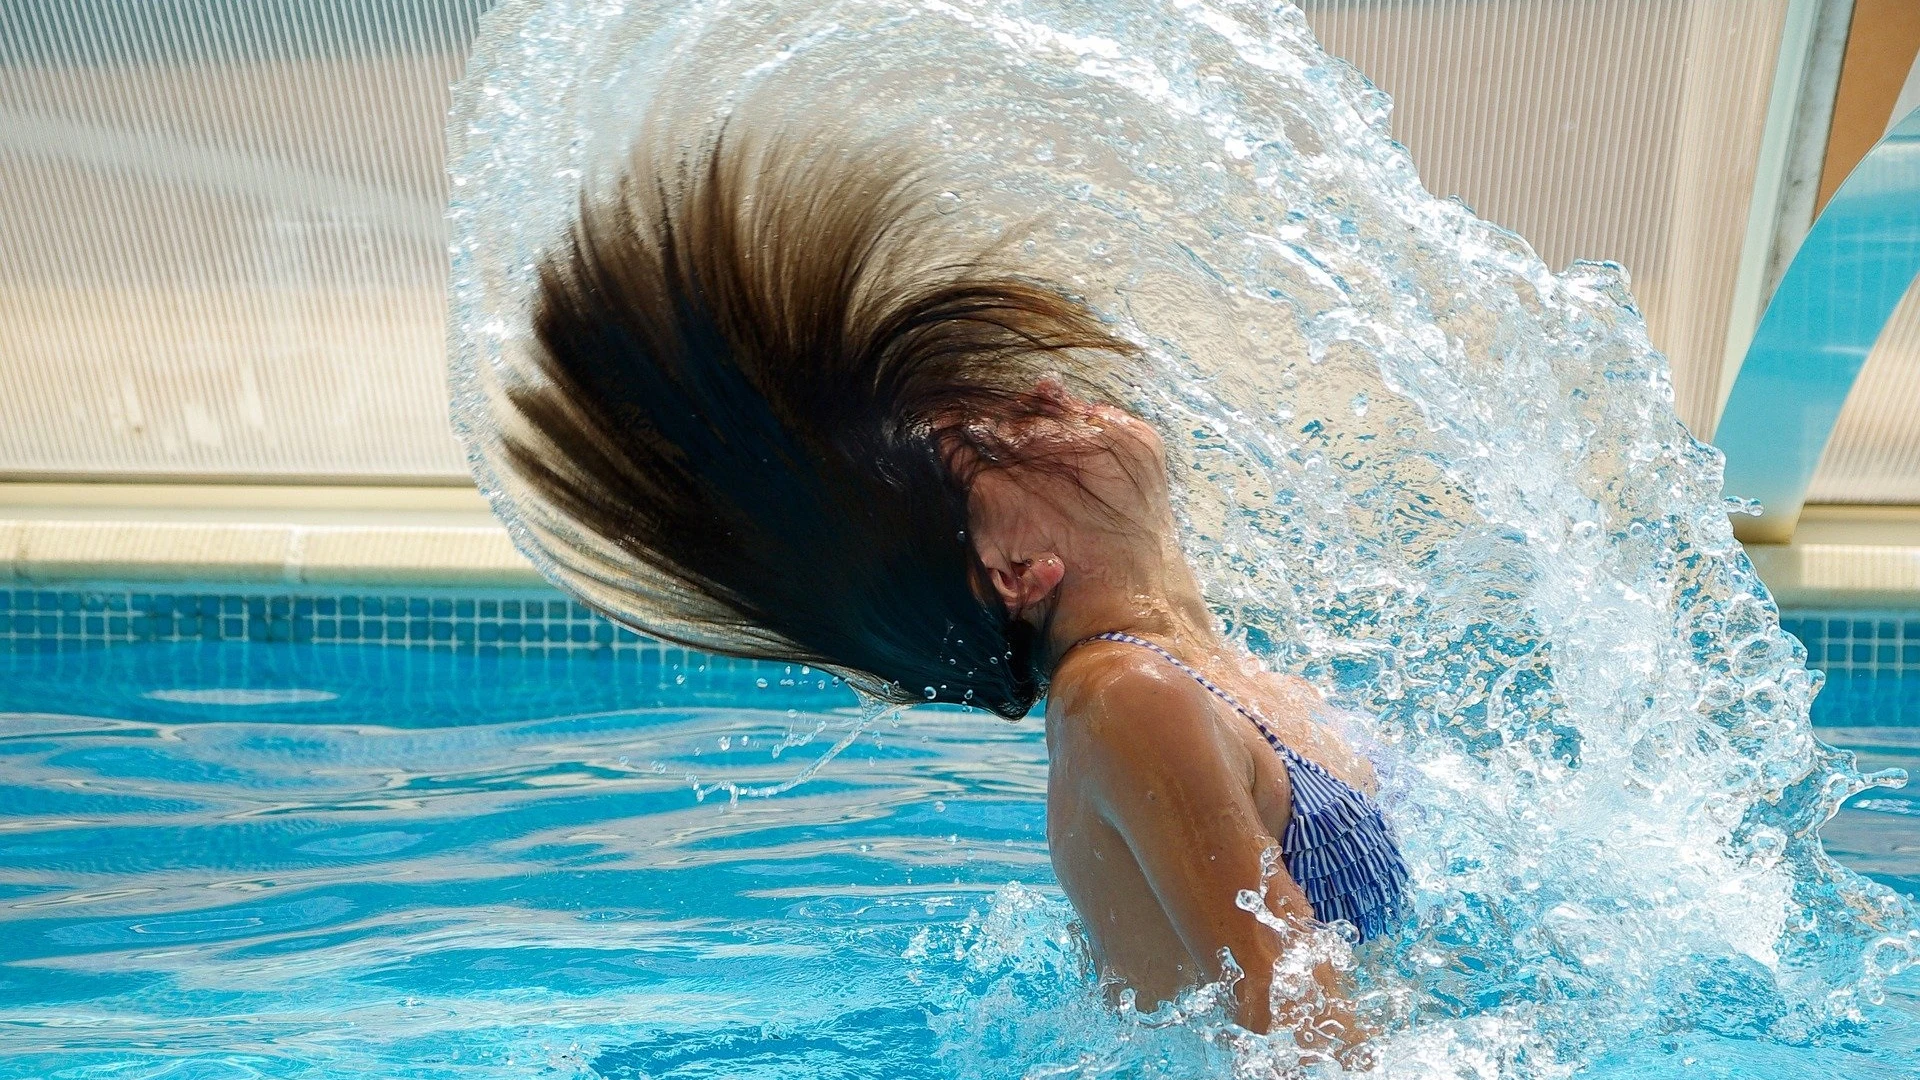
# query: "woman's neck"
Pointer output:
{"type": "Point", "coordinates": [1148, 594]}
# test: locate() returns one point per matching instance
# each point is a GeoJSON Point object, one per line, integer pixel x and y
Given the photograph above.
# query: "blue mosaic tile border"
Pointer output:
{"type": "Point", "coordinates": [1845, 644]}
{"type": "Point", "coordinates": [532, 621]}
{"type": "Point", "coordinates": [1856, 643]}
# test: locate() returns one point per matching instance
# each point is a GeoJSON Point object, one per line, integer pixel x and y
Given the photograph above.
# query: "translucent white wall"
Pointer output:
{"type": "Point", "coordinates": [221, 252]}
{"type": "Point", "coordinates": [1599, 129]}
{"type": "Point", "coordinates": [1875, 453]}
{"type": "Point", "coordinates": [221, 245]}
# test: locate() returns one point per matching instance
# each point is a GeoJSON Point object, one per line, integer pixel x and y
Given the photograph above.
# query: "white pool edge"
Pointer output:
{"type": "Point", "coordinates": [1843, 556]}
{"type": "Point", "coordinates": [248, 534]}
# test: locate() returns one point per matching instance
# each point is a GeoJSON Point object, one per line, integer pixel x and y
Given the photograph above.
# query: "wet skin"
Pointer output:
{"type": "Point", "coordinates": [1161, 800]}
{"type": "Point", "coordinates": [1160, 803]}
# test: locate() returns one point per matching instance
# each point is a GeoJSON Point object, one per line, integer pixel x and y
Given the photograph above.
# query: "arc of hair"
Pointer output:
{"type": "Point", "coordinates": [730, 435]}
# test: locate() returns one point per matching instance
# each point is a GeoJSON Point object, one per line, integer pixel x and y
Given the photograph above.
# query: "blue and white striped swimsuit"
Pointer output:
{"type": "Point", "coordinates": [1337, 846]}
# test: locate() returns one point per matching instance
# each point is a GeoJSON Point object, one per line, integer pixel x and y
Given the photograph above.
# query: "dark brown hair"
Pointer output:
{"type": "Point", "coordinates": [750, 356]}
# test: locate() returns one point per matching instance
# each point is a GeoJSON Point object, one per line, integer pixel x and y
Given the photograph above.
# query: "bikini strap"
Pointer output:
{"type": "Point", "coordinates": [1232, 702]}
{"type": "Point", "coordinates": [1338, 846]}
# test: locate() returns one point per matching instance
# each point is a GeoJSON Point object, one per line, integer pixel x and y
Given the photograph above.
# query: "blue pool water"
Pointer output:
{"type": "Point", "coordinates": [226, 860]}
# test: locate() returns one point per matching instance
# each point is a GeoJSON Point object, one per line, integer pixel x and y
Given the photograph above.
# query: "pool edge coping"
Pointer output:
{"type": "Point", "coordinates": [321, 536]}
{"type": "Point", "coordinates": [49, 552]}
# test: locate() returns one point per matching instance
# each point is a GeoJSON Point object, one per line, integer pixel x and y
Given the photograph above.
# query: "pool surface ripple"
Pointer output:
{"type": "Point", "coordinates": [229, 861]}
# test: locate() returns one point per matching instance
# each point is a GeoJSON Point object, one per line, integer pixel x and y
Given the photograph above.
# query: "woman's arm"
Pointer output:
{"type": "Point", "coordinates": [1165, 774]}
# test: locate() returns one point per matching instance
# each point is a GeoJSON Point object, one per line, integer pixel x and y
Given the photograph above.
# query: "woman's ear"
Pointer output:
{"type": "Point", "coordinates": [1021, 585]}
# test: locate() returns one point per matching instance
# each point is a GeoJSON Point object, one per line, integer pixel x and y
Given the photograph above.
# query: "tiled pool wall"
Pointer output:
{"type": "Point", "coordinates": [526, 621]}
{"type": "Point", "coordinates": [535, 623]}
{"type": "Point", "coordinates": [1858, 642]}
{"type": "Point", "coordinates": [1862, 652]}
{"type": "Point", "coordinates": [1871, 659]}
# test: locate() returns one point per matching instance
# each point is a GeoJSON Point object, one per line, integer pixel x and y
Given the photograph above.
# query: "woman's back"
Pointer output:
{"type": "Point", "coordinates": [1168, 798]}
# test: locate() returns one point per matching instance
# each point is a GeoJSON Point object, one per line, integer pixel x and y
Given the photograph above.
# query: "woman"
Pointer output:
{"type": "Point", "coordinates": [765, 382]}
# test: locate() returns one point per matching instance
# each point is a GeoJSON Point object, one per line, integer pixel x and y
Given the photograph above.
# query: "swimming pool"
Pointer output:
{"type": "Point", "coordinates": [237, 840]}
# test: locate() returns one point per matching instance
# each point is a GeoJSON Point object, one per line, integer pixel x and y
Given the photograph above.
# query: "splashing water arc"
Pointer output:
{"type": "Point", "coordinates": [1444, 482]}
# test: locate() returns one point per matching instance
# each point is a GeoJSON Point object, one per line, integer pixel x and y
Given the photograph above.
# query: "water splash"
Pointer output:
{"type": "Point", "coordinates": [850, 730]}
{"type": "Point", "coordinates": [1441, 480]}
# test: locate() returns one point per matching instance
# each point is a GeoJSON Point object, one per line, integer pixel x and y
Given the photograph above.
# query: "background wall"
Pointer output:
{"type": "Point", "coordinates": [221, 253]}
{"type": "Point", "coordinates": [1606, 129]}
{"type": "Point", "coordinates": [1875, 453]}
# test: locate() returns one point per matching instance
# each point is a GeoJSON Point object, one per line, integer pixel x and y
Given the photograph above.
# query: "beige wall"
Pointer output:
{"type": "Point", "coordinates": [235, 267]}
{"type": "Point", "coordinates": [1874, 456]}
{"type": "Point", "coordinates": [225, 268]}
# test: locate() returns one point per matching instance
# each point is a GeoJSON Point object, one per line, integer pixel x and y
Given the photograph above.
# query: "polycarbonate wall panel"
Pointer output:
{"type": "Point", "coordinates": [221, 251]}
{"type": "Point", "coordinates": [221, 239]}
{"type": "Point", "coordinates": [1874, 456]}
{"type": "Point", "coordinates": [1597, 129]}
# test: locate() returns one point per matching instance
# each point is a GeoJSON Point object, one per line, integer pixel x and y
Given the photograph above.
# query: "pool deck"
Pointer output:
{"type": "Point", "coordinates": [320, 535]}
{"type": "Point", "coordinates": [1846, 556]}
{"type": "Point", "coordinates": [254, 534]}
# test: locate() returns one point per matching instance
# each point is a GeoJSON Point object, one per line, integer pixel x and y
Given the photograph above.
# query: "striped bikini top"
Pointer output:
{"type": "Point", "coordinates": [1338, 845]}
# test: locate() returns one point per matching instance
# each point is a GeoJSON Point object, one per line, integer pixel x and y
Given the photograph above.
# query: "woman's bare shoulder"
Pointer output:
{"type": "Point", "coordinates": [1134, 734]}
{"type": "Point", "coordinates": [1103, 677]}
{"type": "Point", "coordinates": [1125, 698]}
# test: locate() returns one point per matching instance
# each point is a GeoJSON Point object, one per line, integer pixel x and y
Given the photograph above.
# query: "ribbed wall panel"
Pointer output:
{"type": "Point", "coordinates": [221, 250]}
{"type": "Point", "coordinates": [1874, 456]}
{"type": "Point", "coordinates": [1597, 129]}
{"type": "Point", "coordinates": [221, 239]}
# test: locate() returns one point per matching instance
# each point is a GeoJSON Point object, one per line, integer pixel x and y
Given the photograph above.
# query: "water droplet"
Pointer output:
{"type": "Point", "coordinates": [932, 693]}
{"type": "Point", "coordinates": [761, 683]}
{"type": "Point", "coordinates": [726, 742]}
{"type": "Point", "coordinates": [946, 202]}
{"type": "Point", "coordinates": [939, 807]}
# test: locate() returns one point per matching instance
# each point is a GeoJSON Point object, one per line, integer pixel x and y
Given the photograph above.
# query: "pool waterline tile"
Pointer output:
{"type": "Point", "coordinates": [1856, 648]}
{"type": "Point", "coordinates": [1856, 642]}
{"type": "Point", "coordinates": [106, 615]}
{"type": "Point", "coordinates": [533, 623]}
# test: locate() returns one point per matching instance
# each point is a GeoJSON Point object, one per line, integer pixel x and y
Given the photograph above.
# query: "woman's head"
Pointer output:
{"type": "Point", "coordinates": [1080, 487]}
{"type": "Point", "coordinates": [760, 383]}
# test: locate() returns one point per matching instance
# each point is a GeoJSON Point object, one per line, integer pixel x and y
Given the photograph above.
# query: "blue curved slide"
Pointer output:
{"type": "Point", "coordinates": [1844, 283]}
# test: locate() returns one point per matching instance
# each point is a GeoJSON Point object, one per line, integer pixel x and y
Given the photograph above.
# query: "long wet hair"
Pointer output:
{"type": "Point", "coordinates": [753, 359]}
